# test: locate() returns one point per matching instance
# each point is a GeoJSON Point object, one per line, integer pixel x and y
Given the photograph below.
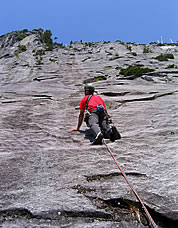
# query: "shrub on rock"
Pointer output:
{"type": "Point", "coordinates": [135, 71]}
{"type": "Point", "coordinates": [164, 57]}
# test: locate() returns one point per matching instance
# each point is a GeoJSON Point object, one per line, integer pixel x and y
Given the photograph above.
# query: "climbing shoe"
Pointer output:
{"type": "Point", "coordinates": [114, 134]}
{"type": "Point", "coordinates": [98, 139]}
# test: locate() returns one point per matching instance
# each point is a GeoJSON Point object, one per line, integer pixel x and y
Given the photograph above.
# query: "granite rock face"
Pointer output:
{"type": "Point", "coordinates": [53, 177]}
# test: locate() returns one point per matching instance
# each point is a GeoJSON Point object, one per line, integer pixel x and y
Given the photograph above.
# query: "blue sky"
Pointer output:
{"type": "Point", "coordinates": [141, 21]}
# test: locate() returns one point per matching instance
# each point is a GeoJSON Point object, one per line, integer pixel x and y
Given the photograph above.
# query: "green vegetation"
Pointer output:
{"type": "Point", "coordinates": [100, 78]}
{"type": "Point", "coordinates": [40, 52]}
{"type": "Point", "coordinates": [21, 48]}
{"type": "Point", "coordinates": [136, 71]}
{"type": "Point", "coordinates": [46, 38]}
{"type": "Point", "coordinates": [77, 49]}
{"type": "Point", "coordinates": [69, 64]}
{"type": "Point", "coordinates": [147, 50]}
{"type": "Point", "coordinates": [172, 66]}
{"type": "Point", "coordinates": [89, 44]}
{"type": "Point", "coordinates": [21, 34]}
{"type": "Point", "coordinates": [38, 56]}
{"type": "Point", "coordinates": [39, 60]}
{"type": "Point", "coordinates": [164, 44]}
{"type": "Point", "coordinates": [121, 42]}
{"type": "Point", "coordinates": [164, 57]}
{"type": "Point", "coordinates": [116, 56]}
{"type": "Point", "coordinates": [95, 79]}
{"type": "Point", "coordinates": [129, 48]}
{"type": "Point", "coordinates": [118, 68]}
{"type": "Point", "coordinates": [59, 45]}
{"type": "Point", "coordinates": [53, 60]}
{"type": "Point", "coordinates": [133, 53]}
{"type": "Point", "coordinates": [106, 42]}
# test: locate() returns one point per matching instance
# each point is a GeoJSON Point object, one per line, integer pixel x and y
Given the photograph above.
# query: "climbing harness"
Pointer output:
{"type": "Point", "coordinates": [137, 196]}
{"type": "Point", "coordinates": [99, 108]}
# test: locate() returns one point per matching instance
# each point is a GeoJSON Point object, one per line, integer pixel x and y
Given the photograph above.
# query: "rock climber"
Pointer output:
{"type": "Point", "coordinates": [96, 117]}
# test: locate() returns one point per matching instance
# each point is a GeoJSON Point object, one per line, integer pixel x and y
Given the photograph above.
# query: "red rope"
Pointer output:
{"type": "Point", "coordinates": [137, 196]}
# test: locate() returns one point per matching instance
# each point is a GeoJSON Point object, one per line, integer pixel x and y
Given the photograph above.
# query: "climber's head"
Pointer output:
{"type": "Point", "coordinates": [89, 90]}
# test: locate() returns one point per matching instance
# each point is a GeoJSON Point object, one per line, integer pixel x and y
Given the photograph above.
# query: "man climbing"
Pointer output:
{"type": "Point", "coordinates": [96, 117]}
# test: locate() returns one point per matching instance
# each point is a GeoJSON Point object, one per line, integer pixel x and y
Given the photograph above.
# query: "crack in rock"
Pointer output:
{"type": "Point", "coordinates": [43, 79]}
{"type": "Point", "coordinates": [117, 209]}
{"type": "Point", "coordinates": [37, 97]}
{"type": "Point", "coordinates": [114, 94]}
{"type": "Point", "coordinates": [148, 98]}
{"type": "Point", "coordinates": [110, 175]}
{"type": "Point", "coordinates": [120, 209]}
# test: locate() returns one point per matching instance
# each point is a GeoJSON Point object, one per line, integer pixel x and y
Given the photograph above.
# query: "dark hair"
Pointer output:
{"type": "Point", "coordinates": [89, 90]}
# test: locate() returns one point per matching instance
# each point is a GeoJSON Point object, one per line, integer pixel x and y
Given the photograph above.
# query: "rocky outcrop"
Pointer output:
{"type": "Point", "coordinates": [53, 177]}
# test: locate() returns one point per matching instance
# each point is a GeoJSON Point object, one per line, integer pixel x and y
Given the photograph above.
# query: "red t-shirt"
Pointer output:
{"type": "Point", "coordinates": [93, 102]}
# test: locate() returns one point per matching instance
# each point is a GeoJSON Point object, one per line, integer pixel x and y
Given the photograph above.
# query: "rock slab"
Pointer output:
{"type": "Point", "coordinates": [53, 177]}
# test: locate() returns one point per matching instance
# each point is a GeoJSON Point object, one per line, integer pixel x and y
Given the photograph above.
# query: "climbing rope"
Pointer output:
{"type": "Point", "coordinates": [137, 196]}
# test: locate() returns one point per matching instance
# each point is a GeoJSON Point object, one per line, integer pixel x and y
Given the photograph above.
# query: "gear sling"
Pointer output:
{"type": "Point", "coordinates": [87, 113]}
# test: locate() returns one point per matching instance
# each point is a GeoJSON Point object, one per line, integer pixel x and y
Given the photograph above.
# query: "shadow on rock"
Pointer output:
{"type": "Point", "coordinates": [88, 134]}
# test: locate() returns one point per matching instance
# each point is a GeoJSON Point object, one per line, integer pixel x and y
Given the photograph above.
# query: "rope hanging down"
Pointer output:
{"type": "Point", "coordinates": [137, 196]}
